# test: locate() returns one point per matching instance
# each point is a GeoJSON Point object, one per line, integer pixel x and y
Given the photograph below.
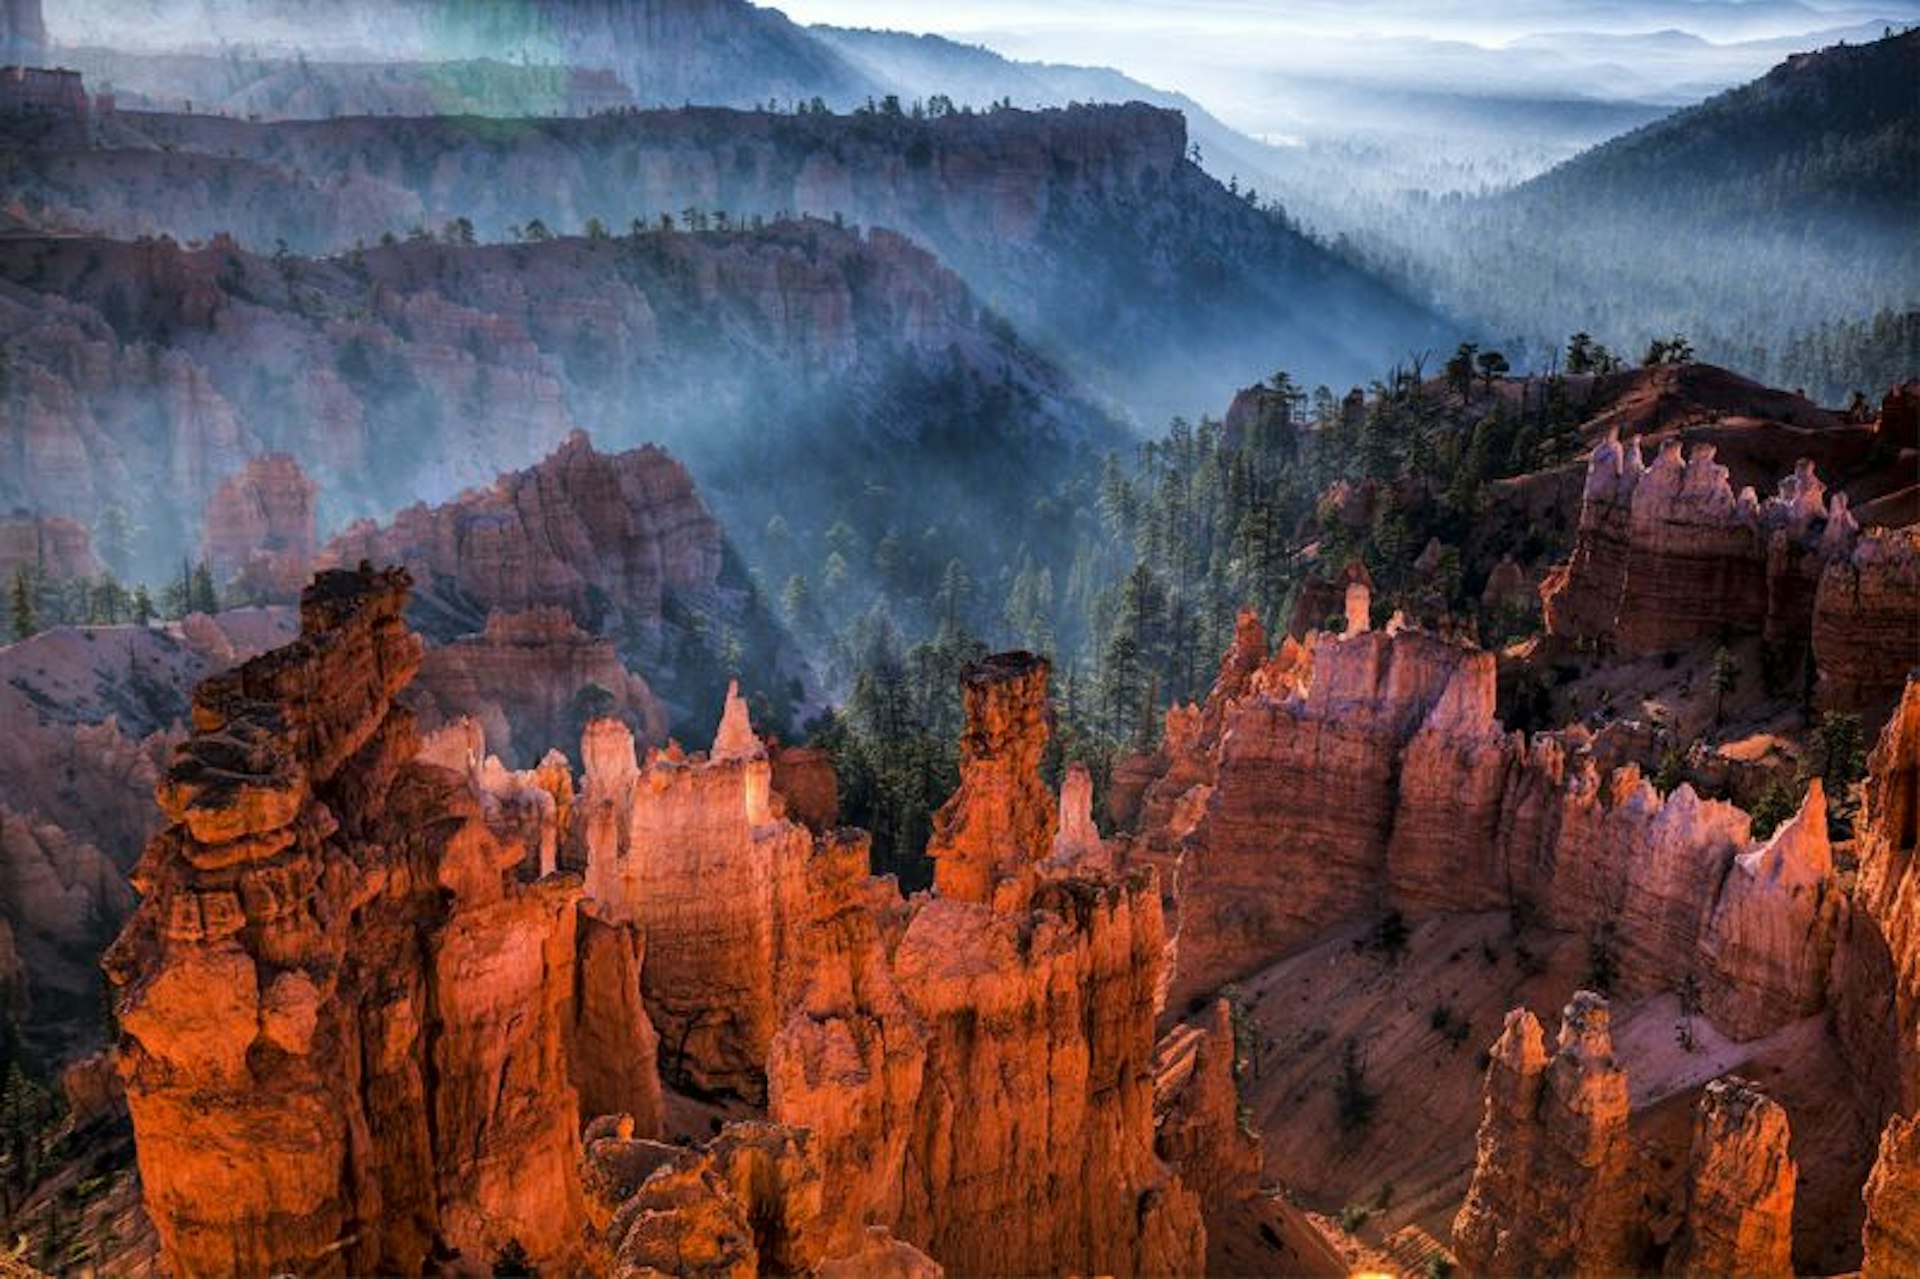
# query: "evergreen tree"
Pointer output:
{"type": "Point", "coordinates": [23, 614]}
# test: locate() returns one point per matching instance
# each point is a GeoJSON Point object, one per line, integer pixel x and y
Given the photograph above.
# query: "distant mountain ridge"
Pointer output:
{"type": "Point", "coordinates": [1090, 228]}
{"type": "Point", "coordinates": [1747, 220]}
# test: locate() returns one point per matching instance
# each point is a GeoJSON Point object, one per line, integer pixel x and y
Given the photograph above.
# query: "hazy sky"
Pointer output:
{"type": "Point", "coordinates": [1223, 51]}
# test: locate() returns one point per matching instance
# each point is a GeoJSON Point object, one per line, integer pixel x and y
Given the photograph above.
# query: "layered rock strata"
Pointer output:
{"type": "Point", "coordinates": [1417, 800]}
{"type": "Point", "coordinates": [1667, 555]}
{"type": "Point", "coordinates": [1559, 1186]}
{"type": "Point", "coordinates": [344, 998]}
{"type": "Point", "coordinates": [693, 852]}
{"type": "Point", "coordinates": [603, 536]}
{"type": "Point", "coordinates": [1551, 1190]}
{"type": "Point", "coordinates": [1033, 981]}
{"type": "Point", "coordinates": [260, 529]}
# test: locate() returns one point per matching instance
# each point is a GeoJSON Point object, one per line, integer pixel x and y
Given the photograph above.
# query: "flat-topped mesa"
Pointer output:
{"type": "Point", "coordinates": [343, 1000]}
{"type": "Point", "coordinates": [1740, 1186]}
{"type": "Point", "coordinates": [1667, 554]}
{"type": "Point", "coordinates": [696, 853]}
{"type": "Point", "coordinates": [1002, 819]}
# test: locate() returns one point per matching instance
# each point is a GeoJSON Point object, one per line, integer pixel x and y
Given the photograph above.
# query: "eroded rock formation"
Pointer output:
{"type": "Point", "coordinates": [1551, 1189]}
{"type": "Point", "coordinates": [603, 536]}
{"type": "Point", "coordinates": [260, 530]}
{"type": "Point", "coordinates": [1667, 555]}
{"type": "Point", "coordinates": [695, 854]}
{"type": "Point", "coordinates": [534, 680]}
{"type": "Point", "coordinates": [1560, 1188]}
{"type": "Point", "coordinates": [343, 999]}
{"type": "Point", "coordinates": [363, 1002]}
{"type": "Point", "coordinates": [1740, 1187]}
{"type": "Point", "coordinates": [51, 545]}
{"type": "Point", "coordinates": [1369, 774]}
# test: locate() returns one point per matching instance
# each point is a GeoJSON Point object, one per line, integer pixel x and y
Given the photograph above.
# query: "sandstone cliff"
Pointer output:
{"type": "Point", "coordinates": [1022, 986]}
{"type": "Point", "coordinates": [1740, 1188]}
{"type": "Point", "coordinates": [1668, 556]}
{"type": "Point", "coordinates": [343, 999]}
{"type": "Point", "coordinates": [693, 852]}
{"type": "Point", "coordinates": [533, 680]}
{"type": "Point", "coordinates": [604, 537]}
{"type": "Point", "coordinates": [1561, 1187]}
{"type": "Point", "coordinates": [53, 546]}
{"type": "Point", "coordinates": [259, 533]}
{"type": "Point", "coordinates": [1368, 774]}
{"type": "Point", "coordinates": [1552, 1189]}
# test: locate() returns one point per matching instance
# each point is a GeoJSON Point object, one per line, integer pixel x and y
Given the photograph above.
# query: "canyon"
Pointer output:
{"type": "Point", "coordinates": [281, 923]}
{"type": "Point", "coordinates": [374, 968]}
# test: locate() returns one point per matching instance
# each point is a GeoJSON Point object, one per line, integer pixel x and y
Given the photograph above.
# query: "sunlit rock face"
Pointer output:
{"type": "Point", "coordinates": [1031, 987]}
{"type": "Point", "coordinates": [92, 715]}
{"type": "Point", "coordinates": [1891, 1238]}
{"type": "Point", "coordinates": [1668, 555]}
{"type": "Point", "coordinates": [1740, 1187]}
{"type": "Point", "coordinates": [1369, 774]}
{"type": "Point", "coordinates": [1863, 621]}
{"type": "Point", "coordinates": [260, 533]}
{"type": "Point", "coordinates": [985, 836]}
{"type": "Point", "coordinates": [1559, 1187]}
{"type": "Point", "coordinates": [692, 851]}
{"type": "Point", "coordinates": [1551, 1189]}
{"type": "Point", "coordinates": [365, 1010]}
{"type": "Point", "coordinates": [343, 999]}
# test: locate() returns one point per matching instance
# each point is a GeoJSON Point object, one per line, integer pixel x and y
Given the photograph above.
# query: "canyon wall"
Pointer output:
{"type": "Point", "coordinates": [343, 998]}
{"type": "Point", "coordinates": [1561, 1186]}
{"type": "Point", "coordinates": [259, 533]}
{"type": "Point", "coordinates": [364, 1001]}
{"type": "Point", "coordinates": [1668, 556]}
{"type": "Point", "coordinates": [603, 537]}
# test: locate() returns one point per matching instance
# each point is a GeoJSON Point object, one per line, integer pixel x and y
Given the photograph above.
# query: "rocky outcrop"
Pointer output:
{"type": "Point", "coordinates": [957, 1013]}
{"type": "Point", "coordinates": [985, 835]}
{"type": "Point", "coordinates": [56, 548]}
{"type": "Point", "coordinates": [1770, 938]}
{"type": "Point", "coordinates": [692, 851]}
{"type": "Point", "coordinates": [1196, 1096]}
{"type": "Point", "coordinates": [1370, 775]}
{"type": "Point", "coordinates": [1551, 1190]}
{"type": "Point", "coordinates": [343, 999]}
{"type": "Point", "coordinates": [604, 537]}
{"type": "Point", "coordinates": [1740, 1186]}
{"type": "Point", "coordinates": [1891, 1238]}
{"type": "Point", "coordinates": [1667, 556]}
{"type": "Point", "coordinates": [1888, 896]}
{"type": "Point", "coordinates": [1864, 622]}
{"type": "Point", "coordinates": [260, 530]}
{"type": "Point", "coordinates": [1560, 1186]}
{"type": "Point", "coordinates": [533, 681]}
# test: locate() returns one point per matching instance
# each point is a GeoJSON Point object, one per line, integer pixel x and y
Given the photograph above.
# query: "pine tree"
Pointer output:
{"type": "Point", "coordinates": [25, 617]}
{"type": "Point", "coordinates": [201, 595]}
